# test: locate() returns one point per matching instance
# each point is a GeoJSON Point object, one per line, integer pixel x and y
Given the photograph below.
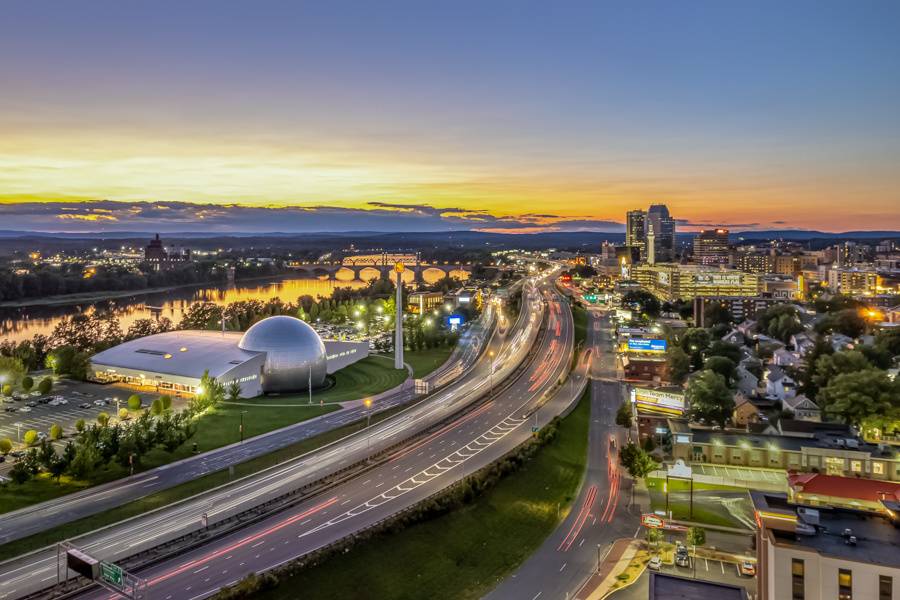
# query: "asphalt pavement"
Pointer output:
{"type": "Point", "coordinates": [413, 473]}
{"type": "Point", "coordinates": [40, 517]}
{"type": "Point", "coordinates": [29, 573]}
{"type": "Point", "coordinates": [599, 514]}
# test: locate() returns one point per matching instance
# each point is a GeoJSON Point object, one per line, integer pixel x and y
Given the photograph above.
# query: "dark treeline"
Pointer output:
{"type": "Point", "coordinates": [74, 279]}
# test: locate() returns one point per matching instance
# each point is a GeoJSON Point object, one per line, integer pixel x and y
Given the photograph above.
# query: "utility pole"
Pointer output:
{"type": "Point", "coordinates": [398, 324]}
{"type": "Point", "coordinates": [310, 383]}
{"type": "Point", "coordinates": [491, 376]}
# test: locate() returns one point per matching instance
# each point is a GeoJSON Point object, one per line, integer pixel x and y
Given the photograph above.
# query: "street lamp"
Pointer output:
{"type": "Point", "coordinates": [242, 426]}
{"type": "Point", "coordinates": [18, 432]}
{"type": "Point", "coordinates": [491, 377]}
{"type": "Point", "coordinates": [368, 404]}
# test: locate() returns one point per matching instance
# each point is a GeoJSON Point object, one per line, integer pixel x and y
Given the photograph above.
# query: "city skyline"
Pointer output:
{"type": "Point", "coordinates": [410, 117]}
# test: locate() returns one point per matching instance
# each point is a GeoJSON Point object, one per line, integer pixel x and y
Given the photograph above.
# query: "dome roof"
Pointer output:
{"type": "Point", "coordinates": [295, 354]}
{"type": "Point", "coordinates": [280, 333]}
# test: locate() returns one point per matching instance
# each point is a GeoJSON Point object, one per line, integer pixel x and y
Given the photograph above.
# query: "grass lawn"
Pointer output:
{"type": "Point", "coordinates": [580, 317]}
{"type": "Point", "coordinates": [709, 510]}
{"type": "Point", "coordinates": [424, 362]}
{"type": "Point", "coordinates": [463, 554]}
{"type": "Point", "coordinates": [221, 426]}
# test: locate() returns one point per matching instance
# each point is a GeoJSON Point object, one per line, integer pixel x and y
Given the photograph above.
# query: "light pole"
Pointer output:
{"type": "Point", "coordinates": [242, 426]}
{"type": "Point", "coordinates": [491, 376]}
{"type": "Point", "coordinates": [117, 405]}
{"type": "Point", "coordinates": [18, 432]}
{"type": "Point", "coordinates": [368, 404]}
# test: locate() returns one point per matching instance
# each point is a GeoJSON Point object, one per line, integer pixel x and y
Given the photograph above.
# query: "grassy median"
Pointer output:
{"type": "Point", "coordinates": [463, 554]}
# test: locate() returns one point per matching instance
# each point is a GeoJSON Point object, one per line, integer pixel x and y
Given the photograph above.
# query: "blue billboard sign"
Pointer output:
{"type": "Point", "coordinates": [646, 345]}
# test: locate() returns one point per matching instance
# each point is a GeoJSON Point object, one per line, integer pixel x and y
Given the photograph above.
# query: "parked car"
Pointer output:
{"type": "Point", "coordinates": [99, 402]}
{"type": "Point", "coordinates": [682, 560]}
{"type": "Point", "coordinates": [655, 563]}
{"type": "Point", "coordinates": [25, 409]}
{"type": "Point", "coordinates": [747, 568]}
{"type": "Point", "coordinates": [42, 436]}
{"type": "Point", "coordinates": [84, 405]}
{"type": "Point", "coordinates": [62, 401]}
{"type": "Point", "coordinates": [10, 409]}
{"type": "Point", "coordinates": [32, 404]}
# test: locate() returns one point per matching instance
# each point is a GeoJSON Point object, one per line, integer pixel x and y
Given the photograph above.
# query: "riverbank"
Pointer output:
{"type": "Point", "coordinates": [89, 297]}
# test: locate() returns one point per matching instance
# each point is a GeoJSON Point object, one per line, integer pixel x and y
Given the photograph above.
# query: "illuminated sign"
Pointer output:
{"type": "Point", "coordinates": [652, 521]}
{"type": "Point", "coordinates": [648, 400]}
{"type": "Point", "coordinates": [646, 345]}
{"type": "Point", "coordinates": [623, 314]}
{"type": "Point", "coordinates": [455, 320]}
{"type": "Point", "coordinates": [718, 279]}
{"type": "Point", "coordinates": [662, 278]}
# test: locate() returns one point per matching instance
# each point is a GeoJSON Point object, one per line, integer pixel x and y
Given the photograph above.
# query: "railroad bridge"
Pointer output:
{"type": "Point", "coordinates": [383, 263]}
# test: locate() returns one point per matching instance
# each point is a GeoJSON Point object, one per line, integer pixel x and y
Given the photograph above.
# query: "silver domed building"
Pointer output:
{"type": "Point", "coordinates": [294, 353]}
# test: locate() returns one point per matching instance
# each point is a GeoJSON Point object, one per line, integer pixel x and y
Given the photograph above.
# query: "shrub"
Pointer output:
{"type": "Point", "coordinates": [156, 408]}
{"type": "Point", "coordinates": [6, 446]}
{"type": "Point", "coordinates": [134, 402]}
{"type": "Point", "coordinates": [123, 413]}
{"type": "Point", "coordinates": [166, 401]}
{"type": "Point", "coordinates": [7, 390]}
{"type": "Point", "coordinates": [46, 385]}
{"type": "Point", "coordinates": [30, 437]}
{"type": "Point", "coordinates": [27, 383]}
{"type": "Point", "coordinates": [103, 419]}
{"type": "Point", "coordinates": [79, 425]}
{"type": "Point", "coordinates": [56, 431]}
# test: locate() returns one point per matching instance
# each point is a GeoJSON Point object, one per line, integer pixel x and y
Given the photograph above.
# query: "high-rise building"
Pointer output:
{"type": "Point", "coordinates": [664, 232]}
{"type": "Point", "coordinates": [711, 247]}
{"type": "Point", "coordinates": [755, 262]}
{"type": "Point", "coordinates": [635, 231]}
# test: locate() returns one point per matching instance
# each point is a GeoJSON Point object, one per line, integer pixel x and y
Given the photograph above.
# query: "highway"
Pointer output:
{"type": "Point", "coordinates": [412, 473]}
{"type": "Point", "coordinates": [36, 571]}
{"type": "Point", "coordinates": [46, 515]}
{"type": "Point", "coordinates": [598, 516]}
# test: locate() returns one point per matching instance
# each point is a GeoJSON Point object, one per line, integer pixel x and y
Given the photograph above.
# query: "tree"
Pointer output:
{"type": "Point", "coordinates": [156, 407]}
{"type": "Point", "coordinates": [6, 446]}
{"type": "Point", "coordinates": [103, 419]}
{"type": "Point", "coordinates": [694, 342]}
{"type": "Point", "coordinates": [79, 425]}
{"type": "Point", "coordinates": [123, 414]}
{"type": "Point", "coordinates": [166, 401]}
{"type": "Point", "coordinates": [27, 383]}
{"type": "Point", "coordinates": [7, 389]}
{"type": "Point", "coordinates": [642, 301]}
{"type": "Point", "coordinates": [12, 370]}
{"type": "Point", "coordinates": [210, 393]}
{"type": "Point", "coordinates": [723, 366]}
{"type": "Point", "coordinates": [696, 536]}
{"type": "Point", "coordinates": [780, 322]}
{"type": "Point", "coordinates": [30, 437]}
{"type": "Point", "coordinates": [68, 360]}
{"type": "Point", "coordinates": [56, 431]}
{"type": "Point", "coordinates": [710, 398]}
{"type": "Point", "coordinates": [726, 349]}
{"type": "Point", "coordinates": [867, 398]}
{"type": "Point", "coordinates": [46, 385]}
{"type": "Point", "coordinates": [623, 415]}
{"type": "Point", "coordinates": [717, 314]}
{"type": "Point", "coordinates": [679, 364]}
{"type": "Point", "coordinates": [654, 535]}
{"type": "Point", "coordinates": [57, 467]}
{"type": "Point", "coordinates": [848, 322]}
{"type": "Point", "coordinates": [234, 391]}
{"type": "Point", "coordinates": [134, 402]}
{"type": "Point", "coordinates": [831, 365]}
{"type": "Point", "coordinates": [889, 339]}
{"type": "Point", "coordinates": [19, 473]}
{"type": "Point", "coordinates": [636, 461]}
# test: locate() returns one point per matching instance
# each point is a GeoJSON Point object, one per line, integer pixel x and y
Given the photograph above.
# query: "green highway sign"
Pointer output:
{"type": "Point", "coordinates": [111, 573]}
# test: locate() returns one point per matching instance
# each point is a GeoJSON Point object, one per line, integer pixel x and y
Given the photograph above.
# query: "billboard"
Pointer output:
{"type": "Point", "coordinates": [658, 401]}
{"type": "Point", "coordinates": [646, 345]}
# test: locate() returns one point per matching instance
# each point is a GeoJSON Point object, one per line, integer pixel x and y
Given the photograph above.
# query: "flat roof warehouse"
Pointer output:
{"type": "Point", "coordinates": [276, 354]}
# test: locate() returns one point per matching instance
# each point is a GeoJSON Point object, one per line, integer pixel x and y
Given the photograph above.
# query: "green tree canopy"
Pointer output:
{"type": "Point", "coordinates": [134, 402]}
{"type": "Point", "coordinates": [623, 415]}
{"type": "Point", "coordinates": [46, 385]}
{"type": "Point", "coordinates": [726, 349]}
{"type": "Point", "coordinates": [848, 322]}
{"type": "Point", "coordinates": [829, 366]}
{"type": "Point", "coordinates": [30, 437]}
{"type": "Point", "coordinates": [710, 398]}
{"type": "Point", "coordinates": [780, 322]}
{"type": "Point", "coordinates": [723, 366]}
{"type": "Point", "coordinates": [679, 364]}
{"type": "Point", "coordinates": [866, 398]}
{"type": "Point", "coordinates": [12, 370]}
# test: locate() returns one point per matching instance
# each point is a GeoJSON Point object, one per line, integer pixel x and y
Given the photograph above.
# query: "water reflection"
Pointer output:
{"type": "Point", "coordinates": [23, 323]}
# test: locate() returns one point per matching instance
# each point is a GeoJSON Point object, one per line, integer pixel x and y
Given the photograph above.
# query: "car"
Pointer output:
{"type": "Point", "coordinates": [32, 404]}
{"type": "Point", "coordinates": [84, 405]}
{"type": "Point", "coordinates": [62, 401]}
{"type": "Point", "coordinates": [10, 409]}
{"type": "Point", "coordinates": [53, 403]}
{"type": "Point", "coordinates": [655, 563]}
{"type": "Point", "coordinates": [47, 400]}
{"type": "Point", "coordinates": [682, 560]}
{"type": "Point", "coordinates": [747, 568]}
{"type": "Point", "coordinates": [42, 436]}
{"type": "Point", "coordinates": [25, 409]}
{"type": "Point", "coordinates": [99, 402]}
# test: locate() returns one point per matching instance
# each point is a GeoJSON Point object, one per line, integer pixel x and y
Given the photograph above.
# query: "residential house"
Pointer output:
{"type": "Point", "coordinates": [779, 384]}
{"type": "Point", "coordinates": [803, 342]}
{"type": "Point", "coordinates": [786, 358]}
{"type": "Point", "coordinates": [802, 408]}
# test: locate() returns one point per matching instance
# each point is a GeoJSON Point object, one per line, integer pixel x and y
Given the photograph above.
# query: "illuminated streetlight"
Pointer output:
{"type": "Point", "coordinates": [368, 404]}
{"type": "Point", "coordinates": [491, 377]}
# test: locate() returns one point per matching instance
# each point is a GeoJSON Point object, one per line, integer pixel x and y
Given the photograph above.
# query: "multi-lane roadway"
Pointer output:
{"type": "Point", "coordinates": [36, 571]}
{"type": "Point", "coordinates": [412, 473]}
{"type": "Point", "coordinates": [40, 517]}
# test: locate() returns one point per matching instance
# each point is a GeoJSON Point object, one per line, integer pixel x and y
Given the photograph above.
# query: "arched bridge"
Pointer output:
{"type": "Point", "coordinates": [384, 264]}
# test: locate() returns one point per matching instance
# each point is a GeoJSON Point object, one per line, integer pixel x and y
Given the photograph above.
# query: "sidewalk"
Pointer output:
{"type": "Point", "coordinates": [616, 560]}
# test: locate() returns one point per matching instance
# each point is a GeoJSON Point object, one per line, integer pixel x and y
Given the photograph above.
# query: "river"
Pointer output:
{"type": "Point", "coordinates": [23, 323]}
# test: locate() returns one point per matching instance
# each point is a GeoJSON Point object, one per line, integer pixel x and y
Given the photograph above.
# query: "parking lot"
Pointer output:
{"type": "Point", "coordinates": [706, 570]}
{"type": "Point", "coordinates": [742, 474]}
{"type": "Point", "coordinates": [83, 401]}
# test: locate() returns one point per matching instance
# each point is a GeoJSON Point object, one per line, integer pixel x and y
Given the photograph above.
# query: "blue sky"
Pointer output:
{"type": "Point", "coordinates": [731, 113]}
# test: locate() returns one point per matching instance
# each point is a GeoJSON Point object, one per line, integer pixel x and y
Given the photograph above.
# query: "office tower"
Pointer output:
{"type": "Point", "coordinates": [711, 247]}
{"type": "Point", "coordinates": [664, 232]}
{"type": "Point", "coordinates": [635, 231]}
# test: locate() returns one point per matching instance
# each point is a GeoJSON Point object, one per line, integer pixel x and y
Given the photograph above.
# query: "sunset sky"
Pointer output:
{"type": "Point", "coordinates": [423, 115]}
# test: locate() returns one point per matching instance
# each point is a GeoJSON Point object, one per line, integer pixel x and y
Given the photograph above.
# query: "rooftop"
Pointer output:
{"type": "Point", "coordinates": [672, 587]}
{"type": "Point", "coordinates": [877, 538]}
{"type": "Point", "coordinates": [872, 490]}
{"type": "Point", "coordinates": [182, 353]}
